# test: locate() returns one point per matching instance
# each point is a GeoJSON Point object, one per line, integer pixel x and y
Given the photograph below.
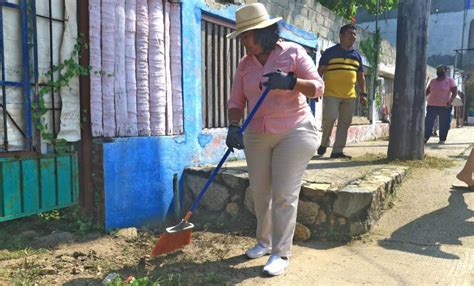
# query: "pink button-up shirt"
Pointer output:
{"type": "Point", "coordinates": [282, 109]}
{"type": "Point", "coordinates": [440, 91]}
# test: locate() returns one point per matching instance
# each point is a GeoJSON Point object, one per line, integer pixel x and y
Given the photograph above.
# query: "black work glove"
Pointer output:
{"type": "Point", "coordinates": [280, 80]}
{"type": "Point", "coordinates": [234, 138]}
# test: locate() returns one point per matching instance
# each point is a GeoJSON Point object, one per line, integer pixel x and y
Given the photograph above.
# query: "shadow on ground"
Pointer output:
{"type": "Point", "coordinates": [427, 234]}
{"type": "Point", "coordinates": [220, 272]}
{"type": "Point", "coordinates": [318, 163]}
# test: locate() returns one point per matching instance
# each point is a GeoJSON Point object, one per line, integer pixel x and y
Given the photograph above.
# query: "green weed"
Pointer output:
{"type": "Point", "coordinates": [170, 280]}
{"type": "Point", "coordinates": [14, 254]}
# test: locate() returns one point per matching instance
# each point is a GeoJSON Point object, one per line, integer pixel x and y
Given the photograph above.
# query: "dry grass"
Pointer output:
{"type": "Point", "coordinates": [428, 162]}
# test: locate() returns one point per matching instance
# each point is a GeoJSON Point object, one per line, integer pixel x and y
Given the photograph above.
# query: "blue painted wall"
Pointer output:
{"type": "Point", "coordinates": [138, 172]}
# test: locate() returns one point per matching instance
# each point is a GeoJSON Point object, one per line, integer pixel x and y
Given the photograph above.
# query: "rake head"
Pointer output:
{"type": "Point", "coordinates": [174, 238]}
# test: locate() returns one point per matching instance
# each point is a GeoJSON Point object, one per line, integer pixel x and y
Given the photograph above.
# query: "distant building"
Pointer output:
{"type": "Point", "coordinates": [451, 27]}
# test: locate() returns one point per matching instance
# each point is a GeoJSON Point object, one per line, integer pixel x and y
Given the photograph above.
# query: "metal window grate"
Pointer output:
{"type": "Point", "coordinates": [52, 21]}
{"type": "Point", "coordinates": [23, 90]}
{"type": "Point", "coordinates": [220, 57]}
{"type": "Point", "coordinates": [16, 85]}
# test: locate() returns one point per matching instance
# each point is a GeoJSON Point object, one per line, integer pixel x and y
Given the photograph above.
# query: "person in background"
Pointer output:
{"type": "Point", "coordinates": [441, 92]}
{"type": "Point", "coordinates": [341, 67]}
{"type": "Point", "coordinates": [281, 138]}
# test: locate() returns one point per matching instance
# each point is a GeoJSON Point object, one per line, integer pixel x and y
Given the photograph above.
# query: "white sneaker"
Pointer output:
{"type": "Point", "coordinates": [275, 265]}
{"type": "Point", "coordinates": [258, 251]}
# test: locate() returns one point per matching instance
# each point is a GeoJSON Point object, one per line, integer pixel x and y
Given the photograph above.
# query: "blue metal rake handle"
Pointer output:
{"type": "Point", "coordinates": [227, 153]}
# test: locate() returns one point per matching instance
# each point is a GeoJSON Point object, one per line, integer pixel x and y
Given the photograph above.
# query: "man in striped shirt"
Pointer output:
{"type": "Point", "coordinates": [341, 67]}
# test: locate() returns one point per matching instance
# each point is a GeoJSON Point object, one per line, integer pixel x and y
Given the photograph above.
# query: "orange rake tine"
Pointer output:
{"type": "Point", "coordinates": [174, 237]}
{"type": "Point", "coordinates": [170, 242]}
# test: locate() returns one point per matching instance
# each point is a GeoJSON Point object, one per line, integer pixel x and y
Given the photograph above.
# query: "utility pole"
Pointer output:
{"type": "Point", "coordinates": [466, 8]}
{"type": "Point", "coordinates": [408, 113]}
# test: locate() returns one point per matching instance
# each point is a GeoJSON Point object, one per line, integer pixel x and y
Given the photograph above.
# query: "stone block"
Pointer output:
{"type": "Point", "coordinates": [315, 27]}
{"type": "Point", "coordinates": [323, 31]}
{"type": "Point", "coordinates": [302, 233]}
{"type": "Point", "coordinates": [282, 3]}
{"type": "Point", "coordinates": [357, 228]}
{"type": "Point", "coordinates": [236, 198]}
{"type": "Point", "coordinates": [232, 209]}
{"type": "Point", "coordinates": [307, 212]}
{"type": "Point", "coordinates": [321, 218]}
{"type": "Point", "coordinates": [312, 16]}
{"type": "Point", "coordinates": [319, 21]}
{"type": "Point", "coordinates": [299, 21]}
{"type": "Point", "coordinates": [325, 12]}
{"type": "Point", "coordinates": [311, 3]}
{"type": "Point", "coordinates": [307, 23]}
{"type": "Point", "coordinates": [315, 191]}
{"type": "Point", "coordinates": [351, 200]}
{"type": "Point", "coordinates": [319, 8]}
{"type": "Point", "coordinates": [276, 11]}
{"type": "Point", "coordinates": [342, 221]}
{"type": "Point", "coordinates": [127, 233]}
{"type": "Point", "coordinates": [216, 196]}
{"type": "Point", "coordinates": [235, 179]}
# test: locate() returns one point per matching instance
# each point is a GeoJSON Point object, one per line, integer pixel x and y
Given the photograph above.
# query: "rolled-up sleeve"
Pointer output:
{"type": "Point", "coordinates": [237, 98]}
{"type": "Point", "coordinates": [305, 69]}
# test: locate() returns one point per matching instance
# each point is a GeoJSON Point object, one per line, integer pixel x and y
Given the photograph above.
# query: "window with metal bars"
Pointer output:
{"type": "Point", "coordinates": [30, 38]}
{"type": "Point", "coordinates": [220, 57]}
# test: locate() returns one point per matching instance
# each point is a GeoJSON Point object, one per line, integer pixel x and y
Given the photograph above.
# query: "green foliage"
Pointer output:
{"type": "Point", "coordinates": [348, 8]}
{"type": "Point", "coordinates": [20, 253]}
{"type": "Point", "coordinates": [378, 99]}
{"type": "Point", "coordinates": [370, 47]}
{"type": "Point", "coordinates": [469, 95]}
{"type": "Point", "coordinates": [67, 71]}
{"type": "Point", "coordinates": [171, 279]}
{"type": "Point", "coordinates": [72, 220]}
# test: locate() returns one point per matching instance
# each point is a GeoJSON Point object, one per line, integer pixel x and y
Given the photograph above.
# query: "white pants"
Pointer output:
{"type": "Point", "coordinates": [276, 164]}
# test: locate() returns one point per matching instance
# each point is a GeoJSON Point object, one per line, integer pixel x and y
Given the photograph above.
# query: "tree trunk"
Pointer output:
{"type": "Point", "coordinates": [408, 113]}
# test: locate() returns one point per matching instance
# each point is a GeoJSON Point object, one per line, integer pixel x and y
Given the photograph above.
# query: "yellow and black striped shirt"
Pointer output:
{"type": "Point", "coordinates": [340, 75]}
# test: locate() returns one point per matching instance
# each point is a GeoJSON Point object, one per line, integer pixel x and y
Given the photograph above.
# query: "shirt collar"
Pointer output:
{"type": "Point", "coordinates": [340, 47]}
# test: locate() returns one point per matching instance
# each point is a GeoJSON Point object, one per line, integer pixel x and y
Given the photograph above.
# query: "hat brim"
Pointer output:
{"type": "Point", "coordinates": [261, 25]}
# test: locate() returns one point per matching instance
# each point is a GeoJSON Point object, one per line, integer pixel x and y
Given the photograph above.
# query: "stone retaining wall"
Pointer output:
{"type": "Point", "coordinates": [324, 212]}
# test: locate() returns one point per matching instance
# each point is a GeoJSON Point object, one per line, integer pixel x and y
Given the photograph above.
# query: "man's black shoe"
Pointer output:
{"type": "Point", "coordinates": [340, 155]}
{"type": "Point", "coordinates": [321, 150]}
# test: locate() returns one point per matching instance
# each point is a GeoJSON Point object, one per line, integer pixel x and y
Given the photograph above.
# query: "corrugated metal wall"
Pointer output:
{"type": "Point", "coordinates": [37, 184]}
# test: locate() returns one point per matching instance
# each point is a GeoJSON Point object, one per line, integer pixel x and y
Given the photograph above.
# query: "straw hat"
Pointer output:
{"type": "Point", "coordinates": [251, 17]}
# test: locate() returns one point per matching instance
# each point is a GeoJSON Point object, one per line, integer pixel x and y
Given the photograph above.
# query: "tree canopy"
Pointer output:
{"type": "Point", "coordinates": [348, 8]}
